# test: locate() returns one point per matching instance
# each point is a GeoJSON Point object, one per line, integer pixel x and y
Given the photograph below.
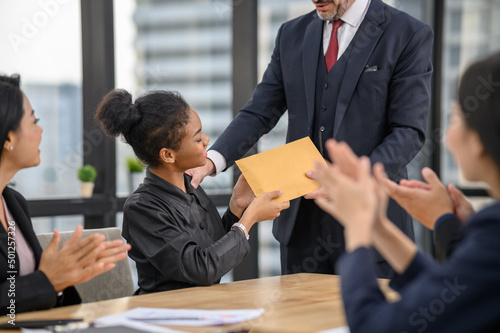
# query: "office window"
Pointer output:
{"type": "Point", "coordinates": [61, 223]}
{"type": "Point", "coordinates": [178, 46]}
{"type": "Point", "coordinates": [471, 30]}
{"type": "Point", "coordinates": [41, 40]}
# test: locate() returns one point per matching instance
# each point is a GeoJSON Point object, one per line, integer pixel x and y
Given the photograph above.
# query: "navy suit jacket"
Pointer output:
{"type": "Point", "coordinates": [33, 291]}
{"type": "Point", "coordinates": [447, 235]}
{"type": "Point", "coordinates": [461, 295]}
{"type": "Point", "coordinates": [381, 114]}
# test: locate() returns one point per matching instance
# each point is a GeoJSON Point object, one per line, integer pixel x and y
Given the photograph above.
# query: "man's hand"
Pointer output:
{"type": "Point", "coordinates": [319, 193]}
{"type": "Point", "coordinates": [199, 173]}
{"type": "Point", "coordinates": [242, 196]}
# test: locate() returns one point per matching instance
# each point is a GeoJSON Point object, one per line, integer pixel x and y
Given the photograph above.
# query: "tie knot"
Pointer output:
{"type": "Point", "coordinates": [336, 24]}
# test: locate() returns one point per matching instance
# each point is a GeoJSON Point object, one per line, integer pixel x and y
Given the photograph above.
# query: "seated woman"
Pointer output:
{"type": "Point", "coordinates": [461, 295]}
{"type": "Point", "coordinates": [41, 280]}
{"type": "Point", "coordinates": [178, 238]}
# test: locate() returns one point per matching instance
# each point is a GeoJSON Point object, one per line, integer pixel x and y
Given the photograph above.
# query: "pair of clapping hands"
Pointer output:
{"type": "Point", "coordinates": [79, 259]}
{"type": "Point", "coordinates": [357, 194]}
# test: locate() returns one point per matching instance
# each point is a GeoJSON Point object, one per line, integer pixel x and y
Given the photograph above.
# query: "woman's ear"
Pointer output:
{"type": "Point", "coordinates": [167, 156]}
{"type": "Point", "coordinates": [10, 142]}
{"type": "Point", "coordinates": [476, 145]}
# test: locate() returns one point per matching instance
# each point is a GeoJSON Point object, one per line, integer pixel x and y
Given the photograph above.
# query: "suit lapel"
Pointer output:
{"type": "Point", "coordinates": [311, 47]}
{"type": "Point", "coordinates": [23, 222]}
{"type": "Point", "coordinates": [359, 50]}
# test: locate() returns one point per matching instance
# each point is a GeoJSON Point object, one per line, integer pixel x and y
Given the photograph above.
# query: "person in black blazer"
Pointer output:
{"type": "Point", "coordinates": [376, 97]}
{"type": "Point", "coordinates": [459, 295]}
{"type": "Point", "coordinates": [32, 279]}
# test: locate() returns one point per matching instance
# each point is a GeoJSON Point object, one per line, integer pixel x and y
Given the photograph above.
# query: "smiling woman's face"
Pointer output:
{"type": "Point", "coordinates": [25, 151]}
{"type": "Point", "coordinates": [193, 150]}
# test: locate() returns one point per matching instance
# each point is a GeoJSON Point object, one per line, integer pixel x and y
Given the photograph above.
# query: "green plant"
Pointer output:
{"type": "Point", "coordinates": [134, 165]}
{"type": "Point", "coordinates": [87, 173]}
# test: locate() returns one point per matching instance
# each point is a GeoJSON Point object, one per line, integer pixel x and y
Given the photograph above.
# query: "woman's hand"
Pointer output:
{"type": "Point", "coordinates": [242, 197]}
{"type": "Point", "coordinates": [79, 259]}
{"type": "Point", "coordinates": [263, 208]}
{"type": "Point", "coordinates": [461, 206]}
{"type": "Point", "coordinates": [426, 202]}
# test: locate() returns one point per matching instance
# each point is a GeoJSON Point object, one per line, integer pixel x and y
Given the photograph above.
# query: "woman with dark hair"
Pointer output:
{"type": "Point", "coordinates": [32, 279]}
{"type": "Point", "coordinates": [459, 295]}
{"type": "Point", "coordinates": [178, 238]}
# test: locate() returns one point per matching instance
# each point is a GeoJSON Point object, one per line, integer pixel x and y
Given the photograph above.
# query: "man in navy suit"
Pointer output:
{"type": "Point", "coordinates": [358, 71]}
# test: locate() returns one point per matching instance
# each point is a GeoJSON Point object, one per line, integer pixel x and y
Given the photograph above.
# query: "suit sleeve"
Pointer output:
{"type": "Point", "coordinates": [176, 253]}
{"type": "Point", "coordinates": [31, 292]}
{"type": "Point", "coordinates": [259, 115]}
{"type": "Point", "coordinates": [447, 234]}
{"type": "Point", "coordinates": [409, 104]}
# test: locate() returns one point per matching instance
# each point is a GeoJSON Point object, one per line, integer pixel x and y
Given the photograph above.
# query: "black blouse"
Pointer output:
{"type": "Point", "coordinates": [178, 239]}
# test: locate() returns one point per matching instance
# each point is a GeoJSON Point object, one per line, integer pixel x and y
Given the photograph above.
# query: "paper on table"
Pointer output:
{"type": "Point", "coordinates": [342, 329]}
{"type": "Point", "coordinates": [283, 168]}
{"type": "Point", "coordinates": [182, 317]}
{"type": "Point", "coordinates": [122, 327]}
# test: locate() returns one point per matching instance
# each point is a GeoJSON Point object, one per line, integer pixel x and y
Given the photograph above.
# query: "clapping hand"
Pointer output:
{"type": "Point", "coordinates": [427, 201]}
{"type": "Point", "coordinates": [79, 259]}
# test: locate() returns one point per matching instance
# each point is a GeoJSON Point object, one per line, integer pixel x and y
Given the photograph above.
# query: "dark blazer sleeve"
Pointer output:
{"type": "Point", "coordinates": [447, 234]}
{"type": "Point", "coordinates": [33, 291]}
{"type": "Point", "coordinates": [177, 253]}
{"type": "Point", "coordinates": [434, 297]}
{"type": "Point", "coordinates": [30, 292]}
{"type": "Point", "coordinates": [228, 219]}
{"type": "Point", "coordinates": [408, 105]}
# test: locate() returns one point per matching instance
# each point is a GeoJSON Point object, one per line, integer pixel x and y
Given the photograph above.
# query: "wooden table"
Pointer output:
{"type": "Point", "coordinates": [293, 303]}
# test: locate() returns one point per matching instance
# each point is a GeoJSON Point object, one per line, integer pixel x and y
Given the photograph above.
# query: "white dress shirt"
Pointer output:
{"type": "Point", "coordinates": [352, 20]}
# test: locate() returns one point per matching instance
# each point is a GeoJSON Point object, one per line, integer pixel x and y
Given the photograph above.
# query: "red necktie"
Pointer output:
{"type": "Point", "coordinates": [333, 47]}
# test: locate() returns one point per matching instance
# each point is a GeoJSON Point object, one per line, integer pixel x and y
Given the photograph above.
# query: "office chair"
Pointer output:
{"type": "Point", "coordinates": [113, 284]}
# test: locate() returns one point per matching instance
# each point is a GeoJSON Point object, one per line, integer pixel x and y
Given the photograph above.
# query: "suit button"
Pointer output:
{"type": "Point", "coordinates": [326, 86]}
{"type": "Point", "coordinates": [202, 226]}
{"type": "Point", "coordinates": [322, 128]}
{"type": "Point", "coordinates": [324, 108]}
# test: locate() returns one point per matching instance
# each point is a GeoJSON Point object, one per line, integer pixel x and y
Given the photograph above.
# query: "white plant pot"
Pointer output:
{"type": "Point", "coordinates": [86, 189]}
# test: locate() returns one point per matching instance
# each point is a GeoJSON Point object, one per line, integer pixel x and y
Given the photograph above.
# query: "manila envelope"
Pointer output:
{"type": "Point", "coordinates": [282, 168]}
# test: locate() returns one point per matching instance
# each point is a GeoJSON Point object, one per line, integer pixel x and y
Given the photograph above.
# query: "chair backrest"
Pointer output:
{"type": "Point", "coordinates": [113, 284]}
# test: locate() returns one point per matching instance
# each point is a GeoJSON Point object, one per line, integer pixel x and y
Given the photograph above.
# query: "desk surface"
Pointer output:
{"type": "Point", "coordinates": [292, 303]}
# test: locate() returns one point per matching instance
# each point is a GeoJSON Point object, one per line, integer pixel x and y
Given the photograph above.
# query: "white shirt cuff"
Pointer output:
{"type": "Point", "coordinates": [219, 161]}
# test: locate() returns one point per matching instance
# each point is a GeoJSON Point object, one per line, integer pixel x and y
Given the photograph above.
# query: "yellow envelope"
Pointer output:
{"type": "Point", "coordinates": [283, 168]}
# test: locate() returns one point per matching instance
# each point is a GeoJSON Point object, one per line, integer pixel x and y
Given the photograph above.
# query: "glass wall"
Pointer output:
{"type": "Point", "coordinates": [41, 40]}
{"type": "Point", "coordinates": [471, 30]}
{"type": "Point", "coordinates": [183, 47]}
{"type": "Point", "coordinates": [62, 223]}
